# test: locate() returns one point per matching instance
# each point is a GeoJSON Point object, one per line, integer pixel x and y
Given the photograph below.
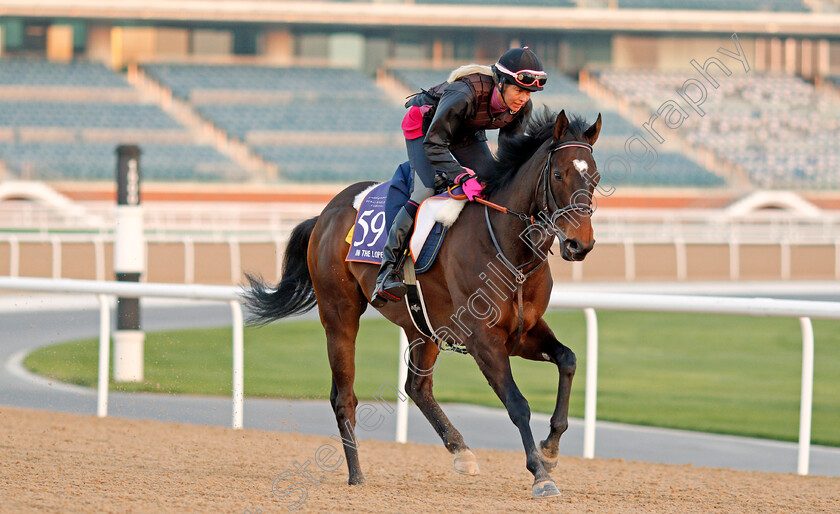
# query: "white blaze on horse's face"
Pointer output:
{"type": "Point", "coordinates": [581, 166]}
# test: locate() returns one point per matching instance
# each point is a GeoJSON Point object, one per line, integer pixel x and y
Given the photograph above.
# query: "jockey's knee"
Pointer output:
{"type": "Point", "coordinates": [421, 192]}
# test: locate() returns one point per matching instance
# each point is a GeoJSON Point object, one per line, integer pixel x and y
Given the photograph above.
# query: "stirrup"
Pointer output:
{"type": "Point", "coordinates": [396, 288]}
{"type": "Point", "coordinates": [392, 288]}
{"type": "Point", "coordinates": [381, 297]}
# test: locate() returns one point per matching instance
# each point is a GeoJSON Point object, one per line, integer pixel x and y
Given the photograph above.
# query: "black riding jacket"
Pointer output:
{"type": "Point", "coordinates": [461, 117]}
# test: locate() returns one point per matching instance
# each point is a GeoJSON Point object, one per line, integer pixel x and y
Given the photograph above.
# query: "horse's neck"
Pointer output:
{"type": "Point", "coordinates": [520, 196]}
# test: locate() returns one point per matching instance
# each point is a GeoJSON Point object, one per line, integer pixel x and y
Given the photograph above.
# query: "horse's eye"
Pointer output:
{"type": "Point", "coordinates": [558, 175]}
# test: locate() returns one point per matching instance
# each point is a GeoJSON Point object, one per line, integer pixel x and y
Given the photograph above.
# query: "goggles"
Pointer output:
{"type": "Point", "coordinates": [527, 78]}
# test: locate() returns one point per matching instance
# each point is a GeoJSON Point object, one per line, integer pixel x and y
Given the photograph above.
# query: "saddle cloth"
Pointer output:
{"type": "Point", "coordinates": [368, 235]}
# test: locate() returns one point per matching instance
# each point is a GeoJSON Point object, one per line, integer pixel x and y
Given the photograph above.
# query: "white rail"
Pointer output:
{"type": "Point", "coordinates": [804, 310]}
{"type": "Point", "coordinates": [104, 291]}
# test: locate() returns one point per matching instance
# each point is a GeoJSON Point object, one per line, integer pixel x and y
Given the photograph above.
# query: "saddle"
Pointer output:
{"type": "Point", "coordinates": [434, 216]}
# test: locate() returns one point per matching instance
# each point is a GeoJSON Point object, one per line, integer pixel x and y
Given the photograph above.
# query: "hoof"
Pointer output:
{"type": "Point", "coordinates": [359, 480]}
{"type": "Point", "coordinates": [466, 463]}
{"type": "Point", "coordinates": [545, 489]}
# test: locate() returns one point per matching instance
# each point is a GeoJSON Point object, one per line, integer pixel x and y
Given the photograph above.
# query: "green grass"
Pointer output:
{"type": "Point", "coordinates": [724, 374]}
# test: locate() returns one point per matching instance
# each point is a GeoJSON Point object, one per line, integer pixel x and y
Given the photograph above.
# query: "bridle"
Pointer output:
{"type": "Point", "coordinates": [546, 219]}
{"type": "Point", "coordinates": [555, 212]}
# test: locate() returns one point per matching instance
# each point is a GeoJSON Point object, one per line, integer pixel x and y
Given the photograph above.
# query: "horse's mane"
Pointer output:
{"type": "Point", "coordinates": [514, 151]}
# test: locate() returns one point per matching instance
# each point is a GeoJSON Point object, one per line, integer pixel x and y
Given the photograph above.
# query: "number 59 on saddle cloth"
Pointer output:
{"type": "Point", "coordinates": [434, 216]}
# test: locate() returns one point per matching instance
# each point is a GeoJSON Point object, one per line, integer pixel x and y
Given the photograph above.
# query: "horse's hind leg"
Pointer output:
{"type": "Point", "coordinates": [340, 317]}
{"type": "Point", "coordinates": [540, 344]}
{"type": "Point", "coordinates": [418, 385]}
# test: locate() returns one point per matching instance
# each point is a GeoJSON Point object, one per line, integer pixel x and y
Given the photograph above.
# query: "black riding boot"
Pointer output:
{"type": "Point", "coordinates": [389, 284]}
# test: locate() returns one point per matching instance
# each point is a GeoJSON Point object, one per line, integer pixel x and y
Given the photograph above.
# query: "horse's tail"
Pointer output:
{"type": "Point", "coordinates": [294, 294]}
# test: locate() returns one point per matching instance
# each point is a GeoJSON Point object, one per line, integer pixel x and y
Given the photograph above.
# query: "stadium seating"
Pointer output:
{"type": "Point", "coordinates": [329, 116]}
{"type": "Point", "coordinates": [84, 115]}
{"type": "Point", "coordinates": [268, 102]}
{"type": "Point", "coordinates": [91, 161]}
{"type": "Point", "coordinates": [49, 138]}
{"type": "Point", "coordinates": [416, 79]}
{"type": "Point", "coordinates": [717, 5]}
{"type": "Point", "coordinates": [19, 72]}
{"type": "Point", "coordinates": [297, 81]}
{"type": "Point", "coordinates": [777, 128]}
{"type": "Point", "coordinates": [272, 101]}
{"type": "Point", "coordinates": [670, 170]}
{"type": "Point", "coordinates": [335, 163]}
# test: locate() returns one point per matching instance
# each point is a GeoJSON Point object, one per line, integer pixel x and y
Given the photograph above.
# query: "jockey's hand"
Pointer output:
{"type": "Point", "coordinates": [472, 188]}
{"type": "Point", "coordinates": [470, 184]}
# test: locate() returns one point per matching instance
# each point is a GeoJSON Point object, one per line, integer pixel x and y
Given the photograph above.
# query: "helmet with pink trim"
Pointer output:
{"type": "Point", "coordinates": [522, 67]}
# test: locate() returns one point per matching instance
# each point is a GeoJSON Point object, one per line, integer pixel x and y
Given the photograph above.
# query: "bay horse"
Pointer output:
{"type": "Point", "coordinates": [544, 180]}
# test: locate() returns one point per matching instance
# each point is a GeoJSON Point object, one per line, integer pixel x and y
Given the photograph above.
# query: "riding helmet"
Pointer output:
{"type": "Point", "coordinates": [516, 60]}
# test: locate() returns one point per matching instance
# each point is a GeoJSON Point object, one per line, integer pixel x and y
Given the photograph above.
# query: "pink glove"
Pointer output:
{"type": "Point", "coordinates": [472, 188]}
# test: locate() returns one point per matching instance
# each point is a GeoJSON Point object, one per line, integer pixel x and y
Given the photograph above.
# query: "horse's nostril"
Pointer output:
{"type": "Point", "coordinates": [573, 245]}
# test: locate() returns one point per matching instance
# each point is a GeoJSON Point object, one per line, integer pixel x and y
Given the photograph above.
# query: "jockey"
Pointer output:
{"type": "Point", "coordinates": [444, 134]}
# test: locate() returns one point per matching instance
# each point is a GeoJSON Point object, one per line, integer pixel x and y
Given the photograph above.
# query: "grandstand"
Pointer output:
{"type": "Point", "coordinates": [67, 118]}
{"type": "Point", "coordinates": [41, 73]}
{"type": "Point", "coordinates": [342, 113]}
{"type": "Point", "coordinates": [83, 115]}
{"type": "Point", "coordinates": [241, 92]}
{"type": "Point", "coordinates": [334, 163]}
{"type": "Point", "coordinates": [318, 116]}
{"type": "Point", "coordinates": [291, 82]}
{"type": "Point", "coordinates": [97, 161]}
{"type": "Point", "coordinates": [257, 105]}
{"type": "Point", "coordinates": [777, 128]}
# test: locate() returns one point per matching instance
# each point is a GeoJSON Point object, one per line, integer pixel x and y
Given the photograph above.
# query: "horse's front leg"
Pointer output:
{"type": "Point", "coordinates": [493, 360]}
{"type": "Point", "coordinates": [421, 362]}
{"type": "Point", "coordinates": [540, 344]}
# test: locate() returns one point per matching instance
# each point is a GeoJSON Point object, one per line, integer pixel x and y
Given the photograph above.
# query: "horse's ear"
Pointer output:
{"type": "Point", "coordinates": [592, 132]}
{"type": "Point", "coordinates": [560, 125]}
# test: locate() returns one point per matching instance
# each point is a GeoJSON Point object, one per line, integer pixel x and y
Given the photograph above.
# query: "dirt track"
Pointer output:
{"type": "Point", "coordinates": [63, 462]}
